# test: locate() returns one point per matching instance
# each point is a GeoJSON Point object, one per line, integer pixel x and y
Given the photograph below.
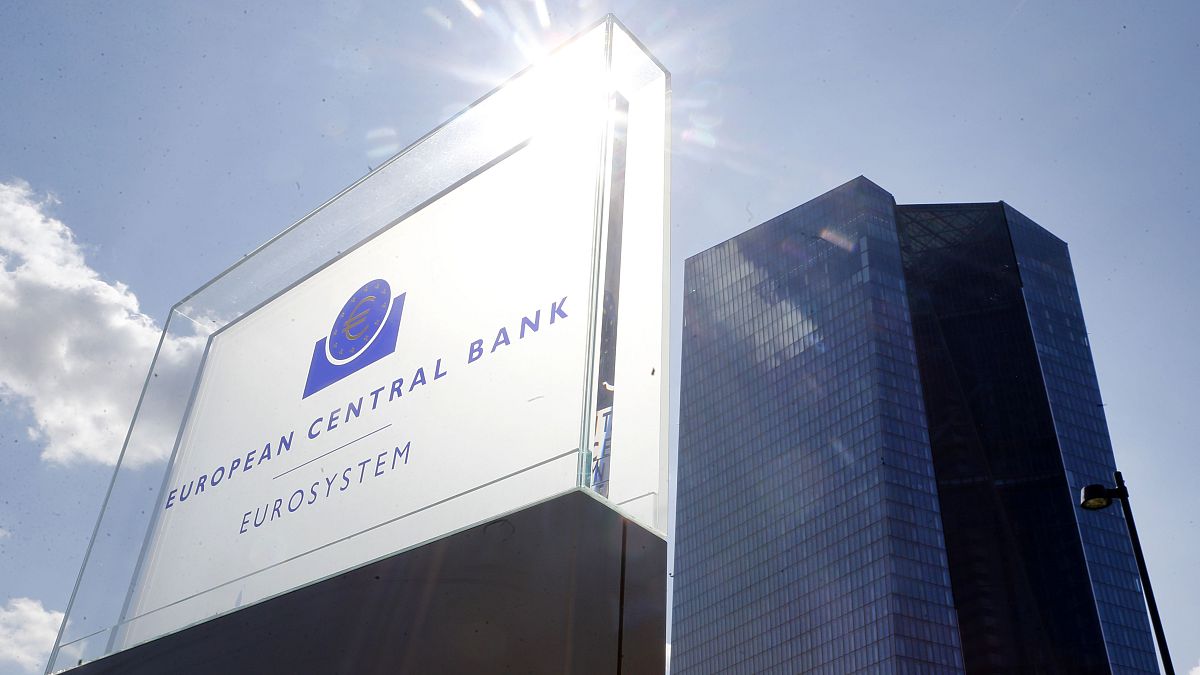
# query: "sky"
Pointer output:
{"type": "Point", "coordinates": [145, 147]}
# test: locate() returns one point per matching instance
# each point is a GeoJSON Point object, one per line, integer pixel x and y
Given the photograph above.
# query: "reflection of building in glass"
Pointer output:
{"type": "Point", "coordinates": [601, 450]}
{"type": "Point", "coordinates": [886, 415]}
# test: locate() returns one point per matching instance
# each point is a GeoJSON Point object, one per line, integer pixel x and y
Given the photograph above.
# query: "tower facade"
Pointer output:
{"type": "Point", "coordinates": [886, 413]}
{"type": "Point", "coordinates": [808, 536]}
{"type": "Point", "coordinates": [1017, 426]}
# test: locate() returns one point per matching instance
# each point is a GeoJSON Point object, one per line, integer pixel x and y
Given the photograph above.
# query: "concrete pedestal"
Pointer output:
{"type": "Point", "coordinates": [564, 586]}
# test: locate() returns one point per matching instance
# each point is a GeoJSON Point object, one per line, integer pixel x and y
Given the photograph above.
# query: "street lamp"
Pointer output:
{"type": "Point", "coordinates": [1095, 497]}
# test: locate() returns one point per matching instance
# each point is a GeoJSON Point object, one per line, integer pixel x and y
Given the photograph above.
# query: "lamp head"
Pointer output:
{"type": "Point", "coordinates": [1095, 497]}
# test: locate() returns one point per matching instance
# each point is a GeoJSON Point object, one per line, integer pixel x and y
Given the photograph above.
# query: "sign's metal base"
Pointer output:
{"type": "Point", "coordinates": [564, 586]}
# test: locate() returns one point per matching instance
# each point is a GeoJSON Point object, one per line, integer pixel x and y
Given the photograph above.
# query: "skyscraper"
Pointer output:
{"type": "Point", "coordinates": [886, 413]}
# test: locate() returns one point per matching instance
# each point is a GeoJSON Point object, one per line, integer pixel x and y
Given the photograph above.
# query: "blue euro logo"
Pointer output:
{"type": "Point", "coordinates": [363, 332]}
{"type": "Point", "coordinates": [359, 321]}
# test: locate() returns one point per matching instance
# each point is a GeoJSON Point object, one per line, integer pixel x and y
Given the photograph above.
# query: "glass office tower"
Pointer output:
{"type": "Point", "coordinates": [808, 536]}
{"type": "Point", "coordinates": [886, 413]}
{"type": "Point", "coordinates": [1017, 427]}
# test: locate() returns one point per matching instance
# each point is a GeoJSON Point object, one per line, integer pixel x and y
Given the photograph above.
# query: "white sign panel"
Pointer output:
{"type": "Point", "coordinates": [477, 325]}
{"type": "Point", "coordinates": [421, 383]}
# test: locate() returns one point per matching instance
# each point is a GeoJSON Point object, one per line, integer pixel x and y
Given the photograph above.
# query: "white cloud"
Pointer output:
{"type": "Point", "coordinates": [74, 348]}
{"type": "Point", "coordinates": [1195, 670]}
{"type": "Point", "coordinates": [27, 632]}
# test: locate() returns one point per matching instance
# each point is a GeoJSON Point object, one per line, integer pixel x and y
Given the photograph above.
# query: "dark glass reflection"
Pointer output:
{"type": "Point", "coordinates": [1022, 588]}
{"type": "Point", "coordinates": [843, 505]}
{"type": "Point", "coordinates": [808, 536]}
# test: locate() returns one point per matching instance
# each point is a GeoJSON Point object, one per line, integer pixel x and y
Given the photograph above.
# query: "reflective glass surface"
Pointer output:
{"type": "Point", "coordinates": [999, 399]}
{"type": "Point", "coordinates": [886, 415]}
{"type": "Point", "coordinates": [1020, 582]}
{"type": "Point", "coordinates": [1060, 336]}
{"type": "Point", "coordinates": [808, 533]}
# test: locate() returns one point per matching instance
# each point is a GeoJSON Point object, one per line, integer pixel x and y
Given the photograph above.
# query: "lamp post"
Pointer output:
{"type": "Point", "coordinates": [1095, 497]}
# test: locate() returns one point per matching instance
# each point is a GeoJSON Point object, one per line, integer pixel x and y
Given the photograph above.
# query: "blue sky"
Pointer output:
{"type": "Point", "coordinates": [146, 146]}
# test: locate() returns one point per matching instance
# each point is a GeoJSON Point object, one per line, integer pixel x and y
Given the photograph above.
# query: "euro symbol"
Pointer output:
{"type": "Point", "coordinates": [357, 319]}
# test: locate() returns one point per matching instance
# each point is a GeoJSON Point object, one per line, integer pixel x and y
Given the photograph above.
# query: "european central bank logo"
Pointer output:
{"type": "Point", "coordinates": [364, 332]}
